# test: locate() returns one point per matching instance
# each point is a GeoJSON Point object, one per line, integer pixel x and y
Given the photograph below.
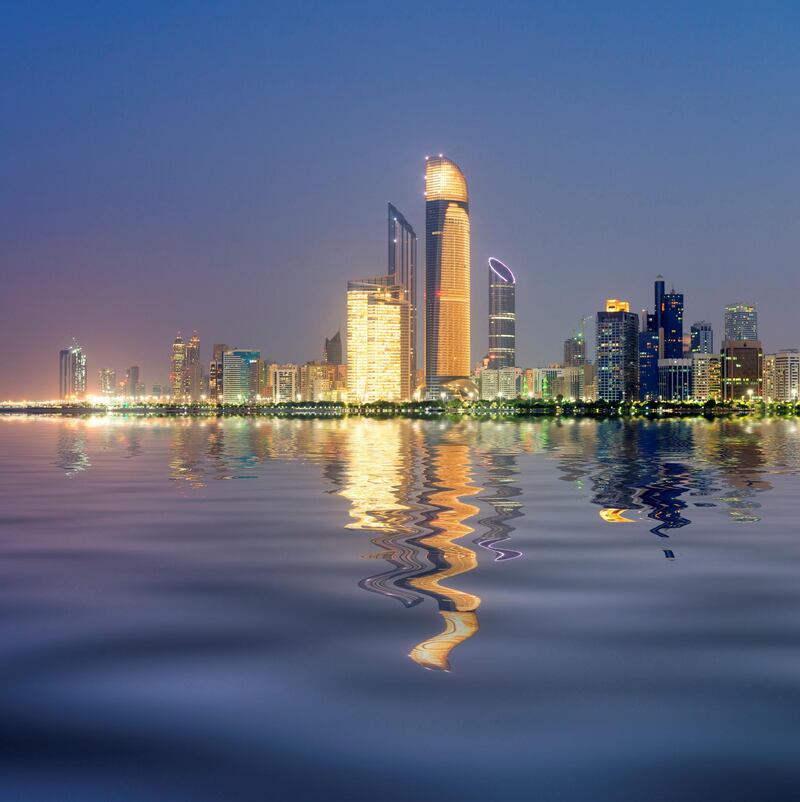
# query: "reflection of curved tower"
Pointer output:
{"type": "Point", "coordinates": [447, 279]}
{"type": "Point", "coordinates": [502, 316]}
{"type": "Point", "coordinates": [450, 465]}
{"type": "Point", "coordinates": [71, 450]}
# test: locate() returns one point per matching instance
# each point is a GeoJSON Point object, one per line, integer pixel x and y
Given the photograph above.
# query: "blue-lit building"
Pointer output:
{"type": "Point", "coordinates": [702, 338]}
{"type": "Point", "coordinates": [648, 358]}
{"type": "Point", "coordinates": [403, 269]}
{"type": "Point", "coordinates": [672, 324]}
{"type": "Point", "coordinates": [502, 316]}
{"type": "Point", "coordinates": [675, 379]}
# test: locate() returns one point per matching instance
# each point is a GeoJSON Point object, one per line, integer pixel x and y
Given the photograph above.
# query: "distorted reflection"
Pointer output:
{"type": "Point", "coordinates": [71, 455]}
{"type": "Point", "coordinates": [448, 474]}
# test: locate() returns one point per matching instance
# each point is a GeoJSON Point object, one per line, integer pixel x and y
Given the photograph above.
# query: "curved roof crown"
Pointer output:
{"type": "Point", "coordinates": [503, 272]}
{"type": "Point", "coordinates": [444, 180]}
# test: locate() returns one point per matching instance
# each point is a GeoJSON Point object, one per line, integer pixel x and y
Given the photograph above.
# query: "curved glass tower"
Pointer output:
{"type": "Point", "coordinates": [447, 290]}
{"type": "Point", "coordinates": [502, 316]}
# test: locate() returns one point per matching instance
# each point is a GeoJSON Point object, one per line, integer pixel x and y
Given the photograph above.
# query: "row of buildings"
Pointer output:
{"type": "Point", "coordinates": [638, 357]}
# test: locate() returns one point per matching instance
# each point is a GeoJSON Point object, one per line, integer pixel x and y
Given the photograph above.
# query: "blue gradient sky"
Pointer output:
{"type": "Point", "coordinates": [226, 167]}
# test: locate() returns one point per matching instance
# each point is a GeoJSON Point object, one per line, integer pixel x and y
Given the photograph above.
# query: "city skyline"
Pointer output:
{"type": "Point", "coordinates": [139, 216]}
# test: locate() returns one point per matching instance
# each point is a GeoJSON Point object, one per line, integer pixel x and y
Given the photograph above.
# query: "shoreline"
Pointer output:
{"type": "Point", "coordinates": [416, 410]}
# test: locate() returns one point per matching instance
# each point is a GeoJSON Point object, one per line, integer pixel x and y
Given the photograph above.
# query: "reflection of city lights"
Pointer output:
{"type": "Point", "coordinates": [614, 515]}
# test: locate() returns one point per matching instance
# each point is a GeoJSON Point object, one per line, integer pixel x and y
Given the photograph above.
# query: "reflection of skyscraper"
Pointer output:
{"type": "Point", "coordinates": [403, 269]}
{"type": "Point", "coordinates": [741, 322]}
{"type": "Point", "coordinates": [333, 350]}
{"type": "Point", "coordinates": [450, 480]}
{"type": "Point", "coordinates": [72, 372]}
{"type": "Point", "coordinates": [378, 341]}
{"type": "Point", "coordinates": [377, 481]}
{"type": "Point", "coordinates": [447, 275]}
{"type": "Point", "coordinates": [502, 316]}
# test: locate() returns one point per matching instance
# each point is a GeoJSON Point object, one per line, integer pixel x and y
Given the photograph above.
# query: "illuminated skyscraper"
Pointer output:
{"type": "Point", "coordinates": [403, 270]}
{"type": "Point", "coordinates": [193, 386]}
{"type": "Point", "coordinates": [333, 350]}
{"type": "Point", "coordinates": [706, 376]}
{"type": "Point", "coordinates": [447, 275]}
{"type": "Point", "coordinates": [702, 341]}
{"type": "Point", "coordinates": [177, 374]}
{"type": "Point", "coordinates": [378, 341]}
{"type": "Point", "coordinates": [502, 316]}
{"type": "Point", "coordinates": [107, 380]}
{"type": "Point", "coordinates": [216, 381]}
{"type": "Point", "coordinates": [741, 322]}
{"type": "Point", "coordinates": [72, 372]}
{"type": "Point", "coordinates": [672, 323]}
{"type": "Point", "coordinates": [617, 353]}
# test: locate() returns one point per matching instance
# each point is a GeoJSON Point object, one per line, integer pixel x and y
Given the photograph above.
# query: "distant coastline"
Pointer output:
{"type": "Point", "coordinates": [536, 408]}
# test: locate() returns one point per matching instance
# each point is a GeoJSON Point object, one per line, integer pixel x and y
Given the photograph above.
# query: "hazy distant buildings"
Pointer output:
{"type": "Point", "coordinates": [402, 267]}
{"type": "Point", "coordinates": [378, 341]}
{"type": "Point", "coordinates": [216, 380]}
{"type": "Point", "coordinates": [742, 370]}
{"type": "Point", "coordinates": [72, 373]}
{"type": "Point", "coordinates": [193, 378]}
{"type": "Point", "coordinates": [240, 375]}
{"type": "Point", "coordinates": [177, 374]}
{"type": "Point", "coordinates": [285, 383]}
{"type": "Point", "coordinates": [447, 276]}
{"type": "Point", "coordinates": [617, 353]}
{"type": "Point", "coordinates": [107, 381]}
{"type": "Point", "coordinates": [132, 384]}
{"type": "Point", "coordinates": [332, 354]}
{"type": "Point", "coordinates": [575, 351]}
{"type": "Point", "coordinates": [741, 322]}
{"type": "Point", "coordinates": [502, 315]}
{"type": "Point", "coordinates": [706, 376]}
{"type": "Point", "coordinates": [702, 338]}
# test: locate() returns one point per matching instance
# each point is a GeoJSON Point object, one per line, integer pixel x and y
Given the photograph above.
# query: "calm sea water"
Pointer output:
{"type": "Point", "coordinates": [362, 609]}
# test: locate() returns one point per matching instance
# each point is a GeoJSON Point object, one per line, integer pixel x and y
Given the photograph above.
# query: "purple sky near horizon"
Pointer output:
{"type": "Point", "coordinates": [227, 168]}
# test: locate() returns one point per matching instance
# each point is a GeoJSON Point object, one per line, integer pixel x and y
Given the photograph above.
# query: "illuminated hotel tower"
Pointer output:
{"type": "Point", "coordinates": [403, 269]}
{"type": "Point", "coordinates": [378, 341]}
{"type": "Point", "coordinates": [447, 289]}
{"type": "Point", "coordinates": [502, 316]}
{"type": "Point", "coordinates": [72, 372]}
{"type": "Point", "coordinates": [177, 375]}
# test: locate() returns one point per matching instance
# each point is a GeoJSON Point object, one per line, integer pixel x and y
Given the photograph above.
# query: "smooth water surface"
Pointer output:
{"type": "Point", "coordinates": [362, 609]}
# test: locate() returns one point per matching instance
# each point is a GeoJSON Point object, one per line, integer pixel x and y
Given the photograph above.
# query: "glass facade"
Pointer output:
{"type": "Point", "coordinates": [702, 338]}
{"type": "Point", "coordinates": [575, 351]}
{"type": "Point", "coordinates": [177, 375]}
{"type": "Point", "coordinates": [648, 361]}
{"type": "Point", "coordinates": [333, 350]}
{"type": "Point", "coordinates": [72, 372]}
{"type": "Point", "coordinates": [502, 316]}
{"type": "Point", "coordinates": [378, 341]}
{"type": "Point", "coordinates": [216, 381]}
{"type": "Point", "coordinates": [447, 275]}
{"type": "Point", "coordinates": [675, 379]}
{"type": "Point", "coordinates": [741, 322]}
{"type": "Point", "coordinates": [672, 322]}
{"type": "Point", "coordinates": [617, 354]}
{"type": "Point", "coordinates": [403, 270]}
{"type": "Point", "coordinates": [239, 367]}
{"type": "Point", "coordinates": [742, 370]}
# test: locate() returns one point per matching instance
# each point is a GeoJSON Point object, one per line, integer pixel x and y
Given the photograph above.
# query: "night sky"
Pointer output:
{"type": "Point", "coordinates": [226, 167]}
